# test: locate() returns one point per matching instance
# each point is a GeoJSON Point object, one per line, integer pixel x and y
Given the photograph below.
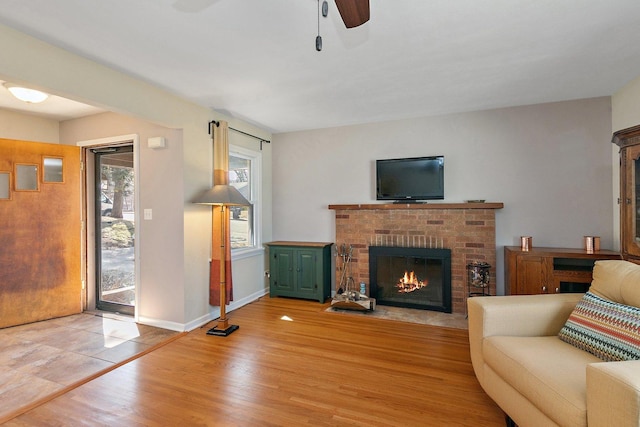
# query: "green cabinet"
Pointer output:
{"type": "Point", "coordinates": [300, 269]}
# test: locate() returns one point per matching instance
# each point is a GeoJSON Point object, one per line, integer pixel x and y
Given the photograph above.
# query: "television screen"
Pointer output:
{"type": "Point", "coordinates": [416, 178]}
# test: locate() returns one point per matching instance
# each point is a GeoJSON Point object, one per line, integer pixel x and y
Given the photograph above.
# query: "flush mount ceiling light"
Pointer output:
{"type": "Point", "coordinates": [25, 94]}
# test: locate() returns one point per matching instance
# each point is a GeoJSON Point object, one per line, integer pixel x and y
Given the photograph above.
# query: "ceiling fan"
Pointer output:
{"type": "Point", "coordinates": [353, 12]}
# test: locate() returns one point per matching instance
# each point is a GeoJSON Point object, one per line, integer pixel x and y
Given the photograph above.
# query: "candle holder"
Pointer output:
{"type": "Point", "coordinates": [478, 278]}
{"type": "Point", "coordinates": [591, 244]}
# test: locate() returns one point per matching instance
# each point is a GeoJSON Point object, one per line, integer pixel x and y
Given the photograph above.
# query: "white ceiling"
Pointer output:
{"type": "Point", "coordinates": [256, 59]}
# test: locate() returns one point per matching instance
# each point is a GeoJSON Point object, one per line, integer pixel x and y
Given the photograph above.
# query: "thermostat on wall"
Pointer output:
{"type": "Point", "coordinates": [156, 142]}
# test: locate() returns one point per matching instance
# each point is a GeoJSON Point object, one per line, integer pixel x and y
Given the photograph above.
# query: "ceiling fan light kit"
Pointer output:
{"type": "Point", "coordinates": [325, 11]}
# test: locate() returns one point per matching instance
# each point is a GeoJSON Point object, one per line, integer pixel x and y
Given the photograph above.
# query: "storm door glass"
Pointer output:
{"type": "Point", "coordinates": [115, 221]}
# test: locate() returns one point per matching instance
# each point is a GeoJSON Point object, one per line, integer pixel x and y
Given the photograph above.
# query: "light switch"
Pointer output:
{"type": "Point", "coordinates": [148, 214]}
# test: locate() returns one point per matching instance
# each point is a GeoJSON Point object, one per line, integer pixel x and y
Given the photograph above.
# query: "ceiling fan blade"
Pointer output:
{"type": "Point", "coordinates": [353, 12]}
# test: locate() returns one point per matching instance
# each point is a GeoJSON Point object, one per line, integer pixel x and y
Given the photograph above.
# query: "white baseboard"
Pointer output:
{"type": "Point", "coordinates": [214, 313]}
{"type": "Point", "coordinates": [159, 323]}
{"type": "Point", "coordinates": [251, 298]}
{"type": "Point", "coordinates": [194, 324]}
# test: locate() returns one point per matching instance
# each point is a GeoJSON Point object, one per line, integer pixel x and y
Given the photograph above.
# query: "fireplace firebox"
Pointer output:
{"type": "Point", "coordinates": [411, 277]}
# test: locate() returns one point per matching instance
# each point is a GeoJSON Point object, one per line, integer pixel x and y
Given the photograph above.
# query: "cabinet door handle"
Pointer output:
{"type": "Point", "coordinates": [557, 290]}
{"type": "Point", "coordinates": [544, 289]}
{"type": "Point", "coordinates": [628, 201]}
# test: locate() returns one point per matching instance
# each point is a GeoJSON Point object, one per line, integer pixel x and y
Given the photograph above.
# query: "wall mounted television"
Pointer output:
{"type": "Point", "coordinates": [410, 179]}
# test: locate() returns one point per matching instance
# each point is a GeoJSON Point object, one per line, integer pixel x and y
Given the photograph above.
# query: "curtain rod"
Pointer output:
{"type": "Point", "coordinates": [213, 122]}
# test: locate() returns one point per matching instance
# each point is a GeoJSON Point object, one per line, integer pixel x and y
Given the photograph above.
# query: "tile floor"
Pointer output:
{"type": "Point", "coordinates": [43, 358]}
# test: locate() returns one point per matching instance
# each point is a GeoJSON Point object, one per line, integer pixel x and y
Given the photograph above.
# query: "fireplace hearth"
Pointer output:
{"type": "Point", "coordinates": [411, 277]}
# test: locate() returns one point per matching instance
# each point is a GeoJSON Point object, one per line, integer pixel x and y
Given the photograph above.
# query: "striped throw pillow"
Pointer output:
{"type": "Point", "coordinates": [606, 329]}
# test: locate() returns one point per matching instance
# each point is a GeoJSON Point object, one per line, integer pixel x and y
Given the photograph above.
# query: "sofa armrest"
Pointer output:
{"type": "Point", "coordinates": [613, 393]}
{"type": "Point", "coordinates": [515, 315]}
{"type": "Point", "coordinates": [520, 315]}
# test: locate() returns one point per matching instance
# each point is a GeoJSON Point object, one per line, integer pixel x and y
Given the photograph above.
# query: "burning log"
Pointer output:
{"type": "Point", "coordinates": [410, 283]}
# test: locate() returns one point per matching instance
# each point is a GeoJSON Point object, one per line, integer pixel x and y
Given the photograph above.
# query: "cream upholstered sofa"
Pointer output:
{"type": "Point", "coordinates": [538, 379]}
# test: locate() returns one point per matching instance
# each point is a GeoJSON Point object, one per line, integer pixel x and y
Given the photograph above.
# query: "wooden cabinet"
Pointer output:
{"type": "Point", "coordinates": [300, 269]}
{"type": "Point", "coordinates": [629, 142]}
{"type": "Point", "coordinates": [550, 270]}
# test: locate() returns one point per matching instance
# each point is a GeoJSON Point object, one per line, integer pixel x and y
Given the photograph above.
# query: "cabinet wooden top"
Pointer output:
{"type": "Point", "coordinates": [626, 137]}
{"type": "Point", "coordinates": [566, 252]}
{"type": "Point", "coordinates": [397, 206]}
{"type": "Point", "coordinates": [305, 244]}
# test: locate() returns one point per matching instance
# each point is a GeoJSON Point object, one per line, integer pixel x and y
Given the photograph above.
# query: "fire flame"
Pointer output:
{"type": "Point", "coordinates": [410, 282]}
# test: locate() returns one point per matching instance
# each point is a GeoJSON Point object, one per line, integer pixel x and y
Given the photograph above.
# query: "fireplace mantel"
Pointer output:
{"type": "Point", "coordinates": [401, 206]}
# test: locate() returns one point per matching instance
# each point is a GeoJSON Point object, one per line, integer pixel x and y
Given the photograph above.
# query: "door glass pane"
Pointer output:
{"type": "Point", "coordinates": [26, 177]}
{"type": "Point", "coordinates": [115, 216]}
{"type": "Point", "coordinates": [5, 186]}
{"type": "Point", "coordinates": [53, 169]}
{"type": "Point", "coordinates": [241, 216]}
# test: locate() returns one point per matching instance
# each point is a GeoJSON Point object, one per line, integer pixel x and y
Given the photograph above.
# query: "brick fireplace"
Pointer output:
{"type": "Point", "coordinates": [467, 229]}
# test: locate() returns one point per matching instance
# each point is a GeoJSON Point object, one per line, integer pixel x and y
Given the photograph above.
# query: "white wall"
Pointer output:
{"type": "Point", "coordinates": [161, 243]}
{"type": "Point", "coordinates": [14, 125]}
{"type": "Point", "coordinates": [550, 165]}
{"type": "Point", "coordinates": [80, 79]}
{"type": "Point", "coordinates": [625, 106]}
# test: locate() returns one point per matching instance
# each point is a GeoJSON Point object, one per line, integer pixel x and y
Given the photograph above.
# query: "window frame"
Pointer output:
{"type": "Point", "coordinates": [255, 185]}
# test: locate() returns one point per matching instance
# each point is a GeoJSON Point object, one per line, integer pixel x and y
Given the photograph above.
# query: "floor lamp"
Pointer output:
{"type": "Point", "coordinates": [223, 196]}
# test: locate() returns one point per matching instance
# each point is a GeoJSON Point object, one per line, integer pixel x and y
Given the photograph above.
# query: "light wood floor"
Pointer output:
{"type": "Point", "coordinates": [308, 368]}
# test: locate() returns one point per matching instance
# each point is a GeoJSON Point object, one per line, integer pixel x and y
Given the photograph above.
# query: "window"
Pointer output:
{"type": "Point", "coordinates": [244, 174]}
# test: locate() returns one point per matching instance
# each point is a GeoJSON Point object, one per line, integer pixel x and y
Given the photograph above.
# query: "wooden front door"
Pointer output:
{"type": "Point", "coordinates": [40, 232]}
